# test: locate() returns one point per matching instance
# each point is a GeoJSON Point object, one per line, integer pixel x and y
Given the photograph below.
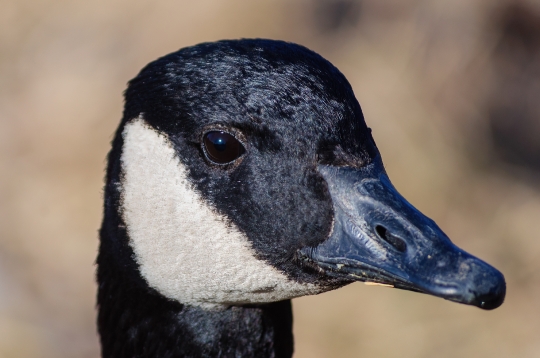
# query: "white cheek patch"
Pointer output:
{"type": "Point", "coordinates": [184, 248]}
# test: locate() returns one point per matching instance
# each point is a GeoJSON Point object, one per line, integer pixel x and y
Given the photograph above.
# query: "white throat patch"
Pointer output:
{"type": "Point", "coordinates": [184, 248]}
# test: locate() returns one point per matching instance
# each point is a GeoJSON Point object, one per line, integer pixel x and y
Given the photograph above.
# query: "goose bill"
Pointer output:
{"type": "Point", "coordinates": [379, 237]}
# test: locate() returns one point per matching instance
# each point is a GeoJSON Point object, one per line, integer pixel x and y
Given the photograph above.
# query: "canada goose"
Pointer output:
{"type": "Point", "coordinates": [243, 175]}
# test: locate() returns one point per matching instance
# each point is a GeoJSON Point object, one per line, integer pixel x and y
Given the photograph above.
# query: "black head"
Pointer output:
{"type": "Point", "coordinates": [274, 140]}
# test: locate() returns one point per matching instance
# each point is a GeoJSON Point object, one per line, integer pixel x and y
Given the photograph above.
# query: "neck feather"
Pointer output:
{"type": "Point", "coordinates": [136, 321]}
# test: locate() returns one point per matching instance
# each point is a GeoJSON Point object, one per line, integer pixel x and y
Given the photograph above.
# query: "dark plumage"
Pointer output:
{"type": "Point", "coordinates": [295, 114]}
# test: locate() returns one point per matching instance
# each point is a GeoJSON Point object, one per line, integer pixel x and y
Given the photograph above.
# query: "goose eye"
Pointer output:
{"type": "Point", "coordinates": [221, 147]}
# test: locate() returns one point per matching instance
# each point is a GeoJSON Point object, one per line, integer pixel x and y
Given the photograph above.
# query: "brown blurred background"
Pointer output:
{"type": "Point", "coordinates": [451, 89]}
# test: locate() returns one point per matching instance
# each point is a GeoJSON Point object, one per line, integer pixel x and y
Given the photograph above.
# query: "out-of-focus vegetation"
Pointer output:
{"type": "Point", "coordinates": [450, 88]}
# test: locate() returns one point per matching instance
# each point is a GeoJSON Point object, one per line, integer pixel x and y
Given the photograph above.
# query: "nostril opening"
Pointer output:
{"type": "Point", "coordinates": [393, 240]}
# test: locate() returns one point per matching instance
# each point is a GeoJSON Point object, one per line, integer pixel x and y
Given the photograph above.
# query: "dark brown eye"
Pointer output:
{"type": "Point", "coordinates": [222, 147]}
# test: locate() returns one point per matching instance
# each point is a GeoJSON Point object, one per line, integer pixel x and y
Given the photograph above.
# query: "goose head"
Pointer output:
{"type": "Point", "coordinates": [248, 175]}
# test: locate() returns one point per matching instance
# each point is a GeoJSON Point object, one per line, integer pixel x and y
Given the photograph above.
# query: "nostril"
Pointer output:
{"type": "Point", "coordinates": [393, 240]}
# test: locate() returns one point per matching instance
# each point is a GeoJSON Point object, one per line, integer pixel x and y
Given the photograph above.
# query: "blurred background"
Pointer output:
{"type": "Point", "coordinates": [451, 89]}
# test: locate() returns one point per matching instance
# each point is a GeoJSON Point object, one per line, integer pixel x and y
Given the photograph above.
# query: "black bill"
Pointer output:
{"type": "Point", "coordinates": [379, 237]}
